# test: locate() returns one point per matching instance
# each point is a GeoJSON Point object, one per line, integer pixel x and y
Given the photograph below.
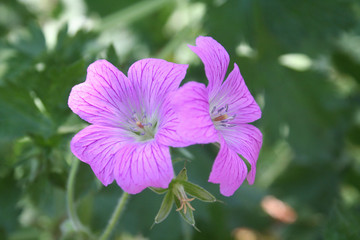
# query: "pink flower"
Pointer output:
{"type": "Point", "coordinates": [220, 113]}
{"type": "Point", "coordinates": [132, 122]}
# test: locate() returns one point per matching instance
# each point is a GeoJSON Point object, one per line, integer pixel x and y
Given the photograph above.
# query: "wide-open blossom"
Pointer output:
{"type": "Point", "coordinates": [132, 122]}
{"type": "Point", "coordinates": [220, 113]}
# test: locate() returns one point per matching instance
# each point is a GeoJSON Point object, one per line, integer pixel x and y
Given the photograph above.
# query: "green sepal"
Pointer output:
{"type": "Point", "coordinates": [197, 192]}
{"type": "Point", "coordinates": [182, 175]}
{"type": "Point", "coordinates": [158, 190]}
{"type": "Point", "coordinates": [165, 207]}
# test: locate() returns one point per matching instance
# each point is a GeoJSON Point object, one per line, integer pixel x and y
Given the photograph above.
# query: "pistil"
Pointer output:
{"type": "Point", "coordinates": [221, 116]}
{"type": "Point", "coordinates": [141, 127]}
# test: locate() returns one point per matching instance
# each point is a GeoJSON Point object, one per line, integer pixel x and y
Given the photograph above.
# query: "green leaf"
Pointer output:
{"type": "Point", "coordinates": [20, 115]}
{"type": "Point", "coordinates": [158, 190]}
{"type": "Point", "coordinates": [112, 55]}
{"type": "Point", "coordinates": [197, 192]}
{"type": "Point", "coordinates": [32, 41]}
{"type": "Point", "coordinates": [131, 13]}
{"type": "Point", "coordinates": [342, 224]}
{"type": "Point", "coordinates": [182, 175]}
{"type": "Point", "coordinates": [165, 207]}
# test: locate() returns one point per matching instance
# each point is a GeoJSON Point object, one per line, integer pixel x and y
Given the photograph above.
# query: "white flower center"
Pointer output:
{"type": "Point", "coordinates": [220, 116]}
{"type": "Point", "coordinates": [142, 126]}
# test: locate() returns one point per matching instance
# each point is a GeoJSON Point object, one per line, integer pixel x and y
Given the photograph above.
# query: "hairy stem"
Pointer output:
{"type": "Point", "coordinates": [71, 201]}
{"type": "Point", "coordinates": [70, 196]}
{"type": "Point", "coordinates": [115, 217]}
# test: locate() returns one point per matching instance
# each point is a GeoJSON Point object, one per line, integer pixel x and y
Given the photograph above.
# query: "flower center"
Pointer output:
{"type": "Point", "coordinates": [141, 126]}
{"type": "Point", "coordinates": [220, 116]}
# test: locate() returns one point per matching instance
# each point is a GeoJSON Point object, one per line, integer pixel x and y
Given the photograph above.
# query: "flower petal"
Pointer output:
{"type": "Point", "coordinates": [229, 170]}
{"type": "Point", "coordinates": [245, 139]}
{"type": "Point", "coordinates": [237, 96]}
{"type": "Point", "coordinates": [167, 133]}
{"type": "Point", "coordinates": [101, 99]}
{"type": "Point", "coordinates": [142, 165]}
{"type": "Point", "coordinates": [97, 146]}
{"type": "Point", "coordinates": [192, 108]}
{"type": "Point", "coordinates": [153, 79]}
{"type": "Point", "coordinates": [215, 59]}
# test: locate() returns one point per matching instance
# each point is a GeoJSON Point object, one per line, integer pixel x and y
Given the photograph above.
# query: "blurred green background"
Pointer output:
{"type": "Point", "coordinates": [300, 60]}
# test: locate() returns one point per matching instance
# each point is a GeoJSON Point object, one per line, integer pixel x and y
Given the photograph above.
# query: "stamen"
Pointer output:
{"type": "Point", "coordinates": [221, 118]}
{"type": "Point", "coordinates": [139, 125]}
{"type": "Point", "coordinates": [227, 125]}
{"type": "Point", "coordinates": [213, 110]}
{"type": "Point", "coordinates": [133, 129]}
{"type": "Point", "coordinates": [231, 118]}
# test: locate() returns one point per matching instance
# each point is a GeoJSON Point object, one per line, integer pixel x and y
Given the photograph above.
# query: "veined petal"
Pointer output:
{"type": "Point", "coordinates": [191, 105]}
{"type": "Point", "coordinates": [167, 133]}
{"type": "Point", "coordinates": [229, 170]}
{"type": "Point", "coordinates": [97, 146]}
{"type": "Point", "coordinates": [237, 96]}
{"type": "Point", "coordinates": [215, 59]}
{"type": "Point", "coordinates": [246, 140]}
{"type": "Point", "coordinates": [142, 165]}
{"type": "Point", "coordinates": [101, 98]}
{"type": "Point", "coordinates": [153, 79]}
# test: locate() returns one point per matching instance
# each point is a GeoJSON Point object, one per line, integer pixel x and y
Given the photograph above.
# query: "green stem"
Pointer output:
{"type": "Point", "coordinates": [71, 201]}
{"type": "Point", "coordinates": [115, 217]}
{"type": "Point", "coordinates": [70, 196]}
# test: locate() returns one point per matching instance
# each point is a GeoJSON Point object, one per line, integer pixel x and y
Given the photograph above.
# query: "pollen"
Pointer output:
{"type": "Point", "coordinates": [139, 124]}
{"type": "Point", "coordinates": [220, 118]}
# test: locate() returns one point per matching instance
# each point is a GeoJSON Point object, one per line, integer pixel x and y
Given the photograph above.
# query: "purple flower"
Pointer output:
{"type": "Point", "coordinates": [220, 113]}
{"type": "Point", "coordinates": [132, 122]}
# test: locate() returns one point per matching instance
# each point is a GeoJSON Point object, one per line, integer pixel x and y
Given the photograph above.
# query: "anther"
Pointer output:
{"type": "Point", "coordinates": [220, 109]}
{"type": "Point", "coordinates": [213, 110]}
{"type": "Point", "coordinates": [226, 107]}
{"type": "Point", "coordinates": [133, 129]}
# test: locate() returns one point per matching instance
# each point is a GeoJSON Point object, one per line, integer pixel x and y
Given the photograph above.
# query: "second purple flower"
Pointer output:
{"type": "Point", "coordinates": [220, 113]}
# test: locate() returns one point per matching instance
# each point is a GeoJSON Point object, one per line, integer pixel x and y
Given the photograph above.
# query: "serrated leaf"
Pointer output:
{"type": "Point", "coordinates": [165, 207]}
{"type": "Point", "coordinates": [197, 192]}
{"type": "Point", "coordinates": [182, 175]}
{"type": "Point", "coordinates": [158, 190]}
{"type": "Point", "coordinates": [20, 115]}
{"type": "Point", "coordinates": [32, 42]}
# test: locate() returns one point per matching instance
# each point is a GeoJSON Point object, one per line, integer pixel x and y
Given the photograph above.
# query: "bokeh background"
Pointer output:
{"type": "Point", "coordinates": [300, 60]}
